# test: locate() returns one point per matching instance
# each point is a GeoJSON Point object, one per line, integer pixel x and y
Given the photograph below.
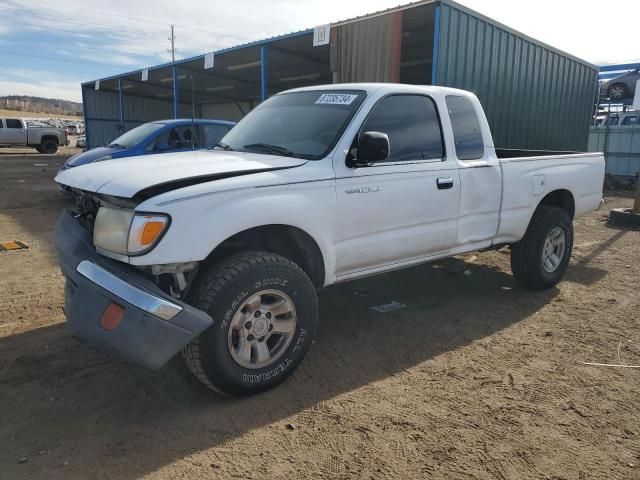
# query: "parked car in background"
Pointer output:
{"type": "Point", "coordinates": [72, 130]}
{"type": "Point", "coordinates": [622, 119]}
{"type": "Point", "coordinates": [219, 253]}
{"type": "Point", "coordinates": [620, 87]}
{"type": "Point", "coordinates": [157, 137]}
{"type": "Point", "coordinates": [81, 142]}
{"type": "Point", "coordinates": [15, 132]}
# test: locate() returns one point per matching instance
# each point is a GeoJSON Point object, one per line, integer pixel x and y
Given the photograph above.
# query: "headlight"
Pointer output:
{"type": "Point", "coordinates": [128, 233]}
{"type": "Point", "coordinates": [106, 157]}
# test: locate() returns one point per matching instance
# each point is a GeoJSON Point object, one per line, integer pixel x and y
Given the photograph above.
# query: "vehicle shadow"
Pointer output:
{"type": "Point", "coordinates": [73, 412]}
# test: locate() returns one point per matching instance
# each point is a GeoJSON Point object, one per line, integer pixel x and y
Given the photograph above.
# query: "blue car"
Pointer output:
{"type": "Point", "coordinates": [157, 137]}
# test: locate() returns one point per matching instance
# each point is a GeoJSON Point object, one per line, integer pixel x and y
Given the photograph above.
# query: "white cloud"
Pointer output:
{"type": "Point", "coordinates": [29, 82]}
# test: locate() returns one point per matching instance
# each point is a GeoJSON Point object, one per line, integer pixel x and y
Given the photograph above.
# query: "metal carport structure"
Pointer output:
{"type": "Point", "coordinates": [535, 96]}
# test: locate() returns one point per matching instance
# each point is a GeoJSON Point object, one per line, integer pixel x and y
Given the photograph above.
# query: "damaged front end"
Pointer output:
{"type": "Point", "coordinates": [94, 211]}
{"type": "Point", "coordinates": [134, 311]}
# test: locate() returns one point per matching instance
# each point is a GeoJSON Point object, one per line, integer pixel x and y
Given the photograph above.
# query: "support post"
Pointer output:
{"type": "Point", "coordinates": [121, 99]}
{"type": "Point", "coordinates": [84, 116]}
{"type": "Point", "coordinates": [436, 46]}
{"type": "Point", "coordinates": [263, 72]}
{"type": "Point", "coordinates": [175, 91]}
{"type": "Point", "coordinates": [636, 203]}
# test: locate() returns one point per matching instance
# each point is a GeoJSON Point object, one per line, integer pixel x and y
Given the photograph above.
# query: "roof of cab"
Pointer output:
{"type": "Point", "coordinates": [369, 88]}
{"type": "Point", "coordinates": [189, 121]}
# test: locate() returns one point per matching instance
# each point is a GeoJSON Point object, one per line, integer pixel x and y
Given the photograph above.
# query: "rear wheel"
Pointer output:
{"type": "Point", "coordinates": [539, 260]}
{"type": "Point", "coordinates": [265, 313]}
{"type": "Point", "coordinates": [49, 146]}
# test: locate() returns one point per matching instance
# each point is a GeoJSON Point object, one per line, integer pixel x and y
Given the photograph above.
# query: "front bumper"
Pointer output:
{"type": "Point", "coordinates": [154, 327]}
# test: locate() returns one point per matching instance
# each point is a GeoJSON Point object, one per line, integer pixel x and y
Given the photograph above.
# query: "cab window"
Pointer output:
{"type": "Point", "coordinates": [466, 128]}
{"type": "Point", "coordinates": [13, 123]}
{"type": "Point", "coordinates": [411, 122]}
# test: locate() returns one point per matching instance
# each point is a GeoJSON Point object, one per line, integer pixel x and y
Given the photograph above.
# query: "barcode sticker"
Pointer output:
{"type": "Point", "coordinates": [336, 99]}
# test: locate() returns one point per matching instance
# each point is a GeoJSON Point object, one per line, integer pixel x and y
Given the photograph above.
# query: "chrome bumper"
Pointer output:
{"type": "Point", "coordinates": [156, 306]}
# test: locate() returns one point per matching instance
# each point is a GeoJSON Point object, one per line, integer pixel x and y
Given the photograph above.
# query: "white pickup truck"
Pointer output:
{"type": "Point", "coordinates": [15, 132]}
{"type": "Point", "coordinates": [219, 253]}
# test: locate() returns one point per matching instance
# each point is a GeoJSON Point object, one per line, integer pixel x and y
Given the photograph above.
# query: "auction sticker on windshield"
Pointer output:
{"type": "Point", "coordinates": [336, 99]}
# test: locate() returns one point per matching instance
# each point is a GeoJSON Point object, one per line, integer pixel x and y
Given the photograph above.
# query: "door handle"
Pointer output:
{"type": "Point", "coordinates": [444, 183]}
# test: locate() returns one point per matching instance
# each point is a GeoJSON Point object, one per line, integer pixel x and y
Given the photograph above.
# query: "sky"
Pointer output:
{"type": "Point", "coordinates": [48, 47]}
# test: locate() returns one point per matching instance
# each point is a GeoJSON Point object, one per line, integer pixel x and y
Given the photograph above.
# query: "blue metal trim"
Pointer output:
{"type": "Point", "coordinates": [266, 41]}
{"type": "Point", "coordinates": [85, 117]}
{"type": "Point", "coordinates": [620, 66]}
{"type": "Point", "coordinates": [263, 73]}
{"type": "Point", "coordinates": [121, 99]}
{"type": "Point", "coordinates": [175, 91]}
{"type": "Point", "coordinates": [436, 47]}
{"type": "Point", "coordinates": [606, 76]}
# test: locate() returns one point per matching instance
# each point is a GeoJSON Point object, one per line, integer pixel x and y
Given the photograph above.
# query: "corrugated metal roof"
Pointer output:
{"type": "Point", "coordinates": [400, 7]}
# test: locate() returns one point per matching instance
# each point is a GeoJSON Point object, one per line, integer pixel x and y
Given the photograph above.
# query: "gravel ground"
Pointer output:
{"type": "Point", "coordinates": [474, 378]}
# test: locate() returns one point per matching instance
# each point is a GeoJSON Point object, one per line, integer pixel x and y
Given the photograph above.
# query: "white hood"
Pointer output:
{"type": "Point", "coordinates": [126, 177]}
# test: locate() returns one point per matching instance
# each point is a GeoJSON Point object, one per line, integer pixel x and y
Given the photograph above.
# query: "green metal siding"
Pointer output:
{"type": "Point", "coordinates": [534, 96]}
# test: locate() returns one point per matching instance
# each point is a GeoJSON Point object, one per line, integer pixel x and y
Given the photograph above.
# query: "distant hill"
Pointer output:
{"type": "Point", "coordinates": [53, 106]}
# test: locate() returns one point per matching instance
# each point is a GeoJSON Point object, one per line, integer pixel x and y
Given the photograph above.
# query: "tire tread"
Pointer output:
{"type": "Point", "coordinates": [209, 286]}
{"type": "Point", "coordinates": [524, 262]}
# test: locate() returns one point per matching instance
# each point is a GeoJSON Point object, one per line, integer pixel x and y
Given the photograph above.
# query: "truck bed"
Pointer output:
{"type": "Point", "coordinates": [520, 153]}
{"type": "Point", "coordinates": [529, 175]}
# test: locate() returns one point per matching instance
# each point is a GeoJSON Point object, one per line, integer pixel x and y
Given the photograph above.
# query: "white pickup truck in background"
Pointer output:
{"type": "Point", "coordinates": [219, 253]}
{"type": "Point", "coordinates": [15, 132]}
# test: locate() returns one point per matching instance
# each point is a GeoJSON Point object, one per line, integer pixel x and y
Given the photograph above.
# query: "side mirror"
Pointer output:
{"type": "Point", "coordinates": [372, 147]}
{"type": "Point", "coordinates": [162, 147]}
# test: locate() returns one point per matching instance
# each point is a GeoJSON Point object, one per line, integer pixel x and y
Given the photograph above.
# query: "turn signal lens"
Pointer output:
{"type": "Point", "coordinates": [145, 231]}
{"type": "Point", "coordinates": [151, 232]}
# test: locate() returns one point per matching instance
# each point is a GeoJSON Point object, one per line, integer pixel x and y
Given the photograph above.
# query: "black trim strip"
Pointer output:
{"type": "Point", "coordinates": [161, 188]}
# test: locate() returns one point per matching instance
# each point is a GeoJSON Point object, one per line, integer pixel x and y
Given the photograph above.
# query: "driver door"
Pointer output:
{"type": "Point", "coordinates": [406, 207]}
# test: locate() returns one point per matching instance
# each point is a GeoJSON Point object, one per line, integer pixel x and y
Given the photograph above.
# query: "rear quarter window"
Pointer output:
{"type": "Point", "coordinates": [466, 128]}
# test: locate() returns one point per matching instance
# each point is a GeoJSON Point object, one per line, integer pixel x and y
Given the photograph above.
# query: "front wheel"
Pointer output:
{"type": "Point", "coordinates": [539, 260]}
{"type": "Point", "coordinates": [265, 311]}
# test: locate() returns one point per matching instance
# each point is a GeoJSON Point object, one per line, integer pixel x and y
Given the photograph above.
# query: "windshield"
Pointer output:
{"type": "Point", "coordinates": [300, 124]}
{"type": "Point", "coordinates": [133, 137]}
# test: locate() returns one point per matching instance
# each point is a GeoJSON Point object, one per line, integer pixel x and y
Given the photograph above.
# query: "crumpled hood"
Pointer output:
{"type": "Point", "coordinates": [126, 178]}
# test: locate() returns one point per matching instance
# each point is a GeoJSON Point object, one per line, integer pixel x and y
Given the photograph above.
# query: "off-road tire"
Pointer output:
{"type": "Point", "coordinates": [220, 290]}
{"type": "Point", "coordinates": [49, 146]}
{"type": "Point", "coordinates": [39, 149]}
{"type": "Point", "coordinates": [526, 255]}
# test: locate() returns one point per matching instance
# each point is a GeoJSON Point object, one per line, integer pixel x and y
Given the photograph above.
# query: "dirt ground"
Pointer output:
{"type": "Point", "coordinates": [474, 378]}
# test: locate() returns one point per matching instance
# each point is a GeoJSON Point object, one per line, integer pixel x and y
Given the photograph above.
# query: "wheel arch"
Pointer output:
{"type": "Point", "coordinates": [49, 137]}
{"type": "Point", "coordinates": [286, 240]}
{"type": "Point", "coordinates": [560, 198]}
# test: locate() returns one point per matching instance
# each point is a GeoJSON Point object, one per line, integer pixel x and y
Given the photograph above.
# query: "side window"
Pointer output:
{"type": "Point", "coordinates": [177, 138]}
{"type": "Point", "coordinates": [466, 128]}
{"type": "Point", "coordinates": [412, 124]}
{"type": "Point", "coordinates": [613, 120]}
{"type": "Point", "coordinates": [13, 123]}
{"type": "Point", "coordinates": [210, 134]}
